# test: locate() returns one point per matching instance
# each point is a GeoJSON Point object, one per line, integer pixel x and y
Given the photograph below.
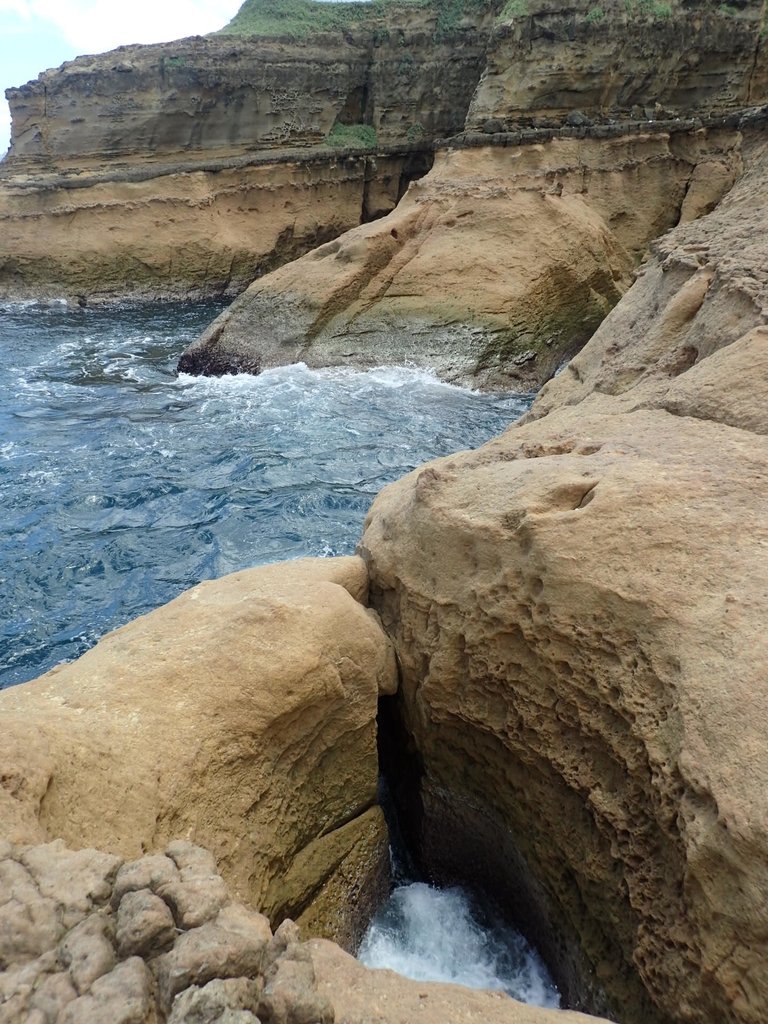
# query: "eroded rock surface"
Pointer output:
{"type": "Point", "coordinates": [241, 715]}
{"type": "Point", "coordinates": [80, 970]}
{"type": "Point", "coordinates": [493, 268]}
{"type": "Point", "coordinates": [548, 61]}
{"type": "Point", "coordinates": [578, 609]}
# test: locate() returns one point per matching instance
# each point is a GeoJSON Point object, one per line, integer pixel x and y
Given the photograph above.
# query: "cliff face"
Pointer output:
{"type": "Point", "coordinates": [613, 58]}
{"type": "Point", "coordinates": [187, 232]}
{"type": "Point", "coordinates": [491, 270]}
{"type": "Point", "coordinates": [174, 120]}
{"type": "Point", "coordinates": [229, 95]}
{"type": "Point", "coordinates": [191, 168]}
{"type": "Point", "coordinates": [578, 612]}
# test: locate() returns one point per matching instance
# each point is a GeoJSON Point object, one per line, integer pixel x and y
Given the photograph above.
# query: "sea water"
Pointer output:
{"type": "Point", "coordinates": [449, 935]}
{"type": "Point", "coordinates": [122, 484]}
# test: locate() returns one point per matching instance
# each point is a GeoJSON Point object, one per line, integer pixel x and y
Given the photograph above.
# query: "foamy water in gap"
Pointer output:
{"type": "Point", "coordinates": [431, 934]}
{"type": "Point", "coordinates": [123, 484]}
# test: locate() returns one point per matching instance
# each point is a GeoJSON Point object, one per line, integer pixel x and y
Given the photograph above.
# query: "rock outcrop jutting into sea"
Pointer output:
{"type": "Point", "coordinates": [560, 637]}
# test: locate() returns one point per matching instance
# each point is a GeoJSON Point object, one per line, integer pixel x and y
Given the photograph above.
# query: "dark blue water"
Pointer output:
{"type": "Point", "coordinates": [122, 484]}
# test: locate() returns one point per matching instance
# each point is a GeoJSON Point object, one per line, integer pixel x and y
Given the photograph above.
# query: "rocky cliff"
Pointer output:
{"type": "Point", "coordinates": [492, 269]}
{"type": "Point", "coordinates": [579, 147]}
{"type": "Point", "coordinates": [577, 609]}
{"type": "Point", "coordinates": [191, 168]}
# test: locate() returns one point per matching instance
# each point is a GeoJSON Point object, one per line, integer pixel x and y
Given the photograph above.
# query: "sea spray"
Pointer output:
{"type": "Point", "coordinates": [431, 934]}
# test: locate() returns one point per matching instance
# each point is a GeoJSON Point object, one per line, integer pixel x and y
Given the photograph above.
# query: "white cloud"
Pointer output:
{"type": "Point", "coordinates": [92, 25]}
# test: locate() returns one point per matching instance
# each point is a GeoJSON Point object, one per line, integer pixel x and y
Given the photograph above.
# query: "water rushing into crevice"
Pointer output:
{"type": "Point", "coordinates": [122, 483]}
{"type": "Point", "coordinates": [449, 935]}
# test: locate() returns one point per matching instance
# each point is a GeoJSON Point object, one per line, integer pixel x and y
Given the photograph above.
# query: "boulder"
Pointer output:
{"type": "Point", "coordinates": [579, 614]}
{"type": "Point", "coordinates": [491, 270]}
{"type": "Point", "coordinates": [241, 715]}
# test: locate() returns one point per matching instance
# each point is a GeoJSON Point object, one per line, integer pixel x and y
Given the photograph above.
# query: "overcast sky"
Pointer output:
{"type": "Point", "coordinates": [39, 34]}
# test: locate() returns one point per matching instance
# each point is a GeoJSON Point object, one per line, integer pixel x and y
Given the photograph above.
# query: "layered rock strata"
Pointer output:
{"type": "Point", "coordinates": [181, 231]}
{"type": "Point", "coordinates": [402, 74]}
{"type": "Point", "coordinates": [578, 613]}
{"type": "Point", "coordinates": [491, 270]}
{"type": "Point", "coordinates": [548, 61]}
{"type": "Point", "coordinates": [241, 716]}
{"type": "Point", "coordinates": [230, 94]}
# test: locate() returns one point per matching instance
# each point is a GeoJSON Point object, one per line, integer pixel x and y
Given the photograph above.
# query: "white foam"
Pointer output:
{"type": "Point", "coordinates": [432, 934]}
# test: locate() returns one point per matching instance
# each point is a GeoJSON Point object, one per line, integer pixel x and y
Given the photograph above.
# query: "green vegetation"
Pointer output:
{"type": "Point", "coordinates": [656, 9]}
{"type": "Point", "coordinates": [513, 9]}
{"type": "Point", "coordinates": [352, 136]}
{"type": "Point", "coordinates": [594, 14]}
{"type": "Point", "coordinates": [297, 19]}
{"type": "Point", "coordinates": [728, 9]}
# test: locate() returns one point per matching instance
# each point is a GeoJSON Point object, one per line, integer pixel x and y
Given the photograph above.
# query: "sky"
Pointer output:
{"type": "Point", "coordinates": [39, 34]}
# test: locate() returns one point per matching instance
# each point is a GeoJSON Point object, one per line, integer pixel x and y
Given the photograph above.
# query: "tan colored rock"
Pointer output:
{"type": "Point", "coordinates": [343, 860]}
{"type": "Point", "coordinates": [241, 715]}
{"type": "Point", "coordinates": [548, 59]}
{"type": "Point", "coordinates": [145, 925]}
{"type": "Point", "coordinates": [690, 336]}
{"type": "Point", "coordinates": [231, 946]}
{"type": "Point", "coordinates": [124, 996]}
{"type": "Point", "coordinates": [492, 269]}
{"type": "Point", "coordinates": [579, 609]}
{"type": "Point", "coordinates": [360, 995]}
{"type": "Point", "coordinates": [209, 1004]}
{"type": "Point", "coordinates": [88, 951]}
{"type": "Point", "coordinates": [179, 230]}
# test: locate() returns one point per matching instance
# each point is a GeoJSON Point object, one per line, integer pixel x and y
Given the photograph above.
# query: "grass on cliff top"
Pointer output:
{"type": "Point", "coordinates": [352, 136]}
{"type": "Point", "coordinates": [301, 18]}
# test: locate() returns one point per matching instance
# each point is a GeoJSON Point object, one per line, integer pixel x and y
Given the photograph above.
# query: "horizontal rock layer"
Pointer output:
{"type": "Point", "coordinates": [604, 59]}
{"type": "Point", "coordinates": [491, 270]}
{"type": "Point", "coordinates": [228, 94]}
{"type": "Point", "coordinates": [242, 716]}
{"type": "Point", "coordinates": [184, 233]}
{"type": "Point", "coordinates": [578, 611]}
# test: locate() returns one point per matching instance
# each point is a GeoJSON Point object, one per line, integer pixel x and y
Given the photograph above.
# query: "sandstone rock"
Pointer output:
{"type": "Point", "coordinates": [145, 925]}
{"type": "Point", "coordinates": [88, 951]}
{"type": "Point", "coordinates": [578, 609]}
{"type": "Point", "coordinates": [52, 995]}
{"type": "Point", "coordinates": [491, 270]}
{"type": "Point", "coordinates": [290, 995]}
{"type": "Point", "coordinates": [211, 1003]}
{"type": "Point", "coordinates": [265, 739]}
{"type": "Point", "coordinates": [183, 231]}
{"type": "Point", "coordinates": [27, 928]}
{"type": "Point", "coordinates": [232, 946]}
{"type": "Point", "coordinates": [693, 323]}
{"type": "Point", "coordinates": [360, 995]}
{"type": "Point", "coordinates": [193, 861]}
{"type": "Point", "coordinates": [195, 902]}
{"type": "Point", "coordinates": [79, 880]}
{"type": "Point", "coordinates": [554, 59]}
{"type": "Point", "coordinates": [150, 872]}
{"type": "Point", "coordinates": [124, 996]}
{"type": "Point", "coordinates": [207, 164]}
{"type": "Point", "coordinates": [342, 862]}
